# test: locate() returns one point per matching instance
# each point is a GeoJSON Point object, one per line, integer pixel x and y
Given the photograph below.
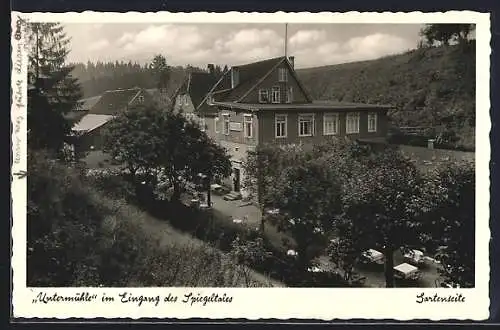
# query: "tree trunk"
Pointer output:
{"type": "Point", "coordinates": [262, 221]}
{"type": "Point", "coordinates": [176, 196]}
{"type": "Point", "coordinates": [209, 192]}
{"type": "Point", "coordinates": [389, 266]}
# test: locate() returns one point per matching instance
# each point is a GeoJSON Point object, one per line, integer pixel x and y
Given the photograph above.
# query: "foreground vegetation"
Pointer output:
{"type": "Point", "coordinates": [353, 198]}
{"type": "Point", "coordinates": [77, 236]}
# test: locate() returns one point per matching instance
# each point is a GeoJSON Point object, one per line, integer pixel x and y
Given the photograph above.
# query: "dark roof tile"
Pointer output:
{"type": "Point", "coordinates": [113, 102]}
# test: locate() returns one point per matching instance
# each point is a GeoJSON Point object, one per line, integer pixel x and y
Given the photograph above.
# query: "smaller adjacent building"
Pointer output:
{"type": "Point", "coordinates": [189, 97]}
{"type": "Point", "coordinates": [98, 111]}
{"type": "Point", "coordinates": [119, 100]}
{"type": "Point", "coordinates": [88, 132]}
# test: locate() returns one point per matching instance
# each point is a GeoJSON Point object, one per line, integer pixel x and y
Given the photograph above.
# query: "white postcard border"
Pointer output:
{"type": "Point", "coordinates": [255, 303]}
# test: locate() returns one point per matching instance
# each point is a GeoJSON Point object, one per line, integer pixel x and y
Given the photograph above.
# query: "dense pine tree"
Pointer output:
{"type": "Point", "coordinates": [53, 92]}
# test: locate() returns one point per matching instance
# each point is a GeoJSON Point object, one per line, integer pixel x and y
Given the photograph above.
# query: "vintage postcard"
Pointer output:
{"type": "Point", "coordinates": [319, 166]}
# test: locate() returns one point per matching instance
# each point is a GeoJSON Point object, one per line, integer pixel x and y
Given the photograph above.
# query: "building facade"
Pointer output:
{"type": "Point", "coordinates": [265, 103]}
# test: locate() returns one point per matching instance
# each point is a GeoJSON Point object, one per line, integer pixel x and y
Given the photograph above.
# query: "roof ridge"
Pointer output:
{"type": "Point", "coordinates": [258, 62]}
{"type": "Point", "coordinates": [122, 90]}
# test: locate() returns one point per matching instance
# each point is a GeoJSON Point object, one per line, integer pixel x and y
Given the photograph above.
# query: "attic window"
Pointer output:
{"type": "Point", "coordinates": [282, 75]}
{"type": "Point", "coordinates": [275, 95]}
{"type": "Point", "coordinates": [141, 99]}
{"type": "Point", "coordinates": [186, 101]}
{"type": "Point", "coordinates": [263, 96]}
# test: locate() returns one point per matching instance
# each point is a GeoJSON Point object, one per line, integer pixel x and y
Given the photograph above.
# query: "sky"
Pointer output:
{"type": "Point", "coordinates": [234, 44]}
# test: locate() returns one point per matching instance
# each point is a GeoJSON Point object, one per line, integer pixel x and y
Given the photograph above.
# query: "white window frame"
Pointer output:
{"type": "Point", "coordinates": [248, 119]}
{"type": "Point", "coordinates": [282, 75]}
{"type": "Point", "coordinates": [216, 124]}
{"type": "Point", "coordinates": [266, 93]}
{"type": "Point", "coordinates": [300, 119]}
{"type": "Point", "coordinates": [351, 130]}
{"type": "Point", "coordinates": [280, 119]}
{"type": "Point", "coordinates": [226, 120]}
{"type": "Point", "coordinates": [289, 94]}
{"type": "Point", "coordinates": [374, 116]}
{"type": "Point", "coordinates": [275, 90]}
{"type": "Point", "coordinates": [331, 117]}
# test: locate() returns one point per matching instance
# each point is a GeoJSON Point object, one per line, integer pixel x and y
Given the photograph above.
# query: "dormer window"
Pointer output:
{"type": "Point", "coordinates": [275, 95]}
{"type": "Point", "coordinates": [282, 75]}
{"type": "Point", "coordinates": [263, 96]}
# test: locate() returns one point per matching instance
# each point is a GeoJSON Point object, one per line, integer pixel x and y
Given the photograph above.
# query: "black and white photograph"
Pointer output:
{"type": "Point", "coordinates": [250, 155]}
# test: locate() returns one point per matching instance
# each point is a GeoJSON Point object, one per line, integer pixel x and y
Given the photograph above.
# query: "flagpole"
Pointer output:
{"type": "Point", "coordinates": [286, 39]}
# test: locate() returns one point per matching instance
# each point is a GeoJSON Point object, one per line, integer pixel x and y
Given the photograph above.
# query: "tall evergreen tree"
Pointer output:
{"type": "Point", "coordinates": [161, 71]}
{"type": "Point", "coordinates": [54, 91]}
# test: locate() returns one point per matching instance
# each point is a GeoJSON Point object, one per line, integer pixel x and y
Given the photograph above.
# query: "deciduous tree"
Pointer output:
{"type": "Point", "coordinates": [380, 199]}
{"type": "Point", "coordinates": [308, 195]}
{"type": "Point", "coordinates": [449, 227]}
{"type": "Point", "coordinates": [153, 142]}
{"type": "Point", "coordinates": [446, 33]}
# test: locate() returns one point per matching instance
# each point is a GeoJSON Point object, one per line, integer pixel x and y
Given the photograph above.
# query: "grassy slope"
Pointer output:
{"type": "Point", "coordinates": [167, 236]}
{"type": "Point", "coordinates": [428, 87]}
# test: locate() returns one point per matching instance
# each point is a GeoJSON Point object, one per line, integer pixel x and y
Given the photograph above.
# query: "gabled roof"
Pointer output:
{"type": "Point", "coordinates": [90, 122]}
{"type": "Point", "coordinates": [115, 101]}
{"type": "Point", "coordinates": [87, 103]}
{"type": "Point", "coordinates": [198, 85]}
{"type": "Point", "coordinates": [249, 76]}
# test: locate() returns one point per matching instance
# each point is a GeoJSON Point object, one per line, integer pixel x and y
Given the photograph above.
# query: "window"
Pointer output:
{"type": "Point", "coordinates": [275, 95]}
{"type": "Point", "coordinates": [226, 124]}
{"type": "Point", "coordinates": [330, 124]}
{"type": "Point", "coordinates": [216, 124]}
{"type": "Point", "coordinates": [289, 95]}
{"type": "Point", "coordinates": [352, 123]}
{"type": "Point", "coordinates": [263, 96]}
{"type": "Point", "coordinates": [186, 101]}
{"type": "Point", "coordinates": [282, 75]}
{"type": "Point", "coordinates": [306, 125]}
{"type": "Point", "coordinates": [141, 98]}
{"type": "Point", "coordinates": [372, 122]}
{"type": "Point", "coordinates": [247, 126]}
{"type": "Point", "coordinates": [280, 126]}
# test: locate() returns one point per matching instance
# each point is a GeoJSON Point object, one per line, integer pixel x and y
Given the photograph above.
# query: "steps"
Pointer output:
{"type": "Point", "coordinates": [232, 196]}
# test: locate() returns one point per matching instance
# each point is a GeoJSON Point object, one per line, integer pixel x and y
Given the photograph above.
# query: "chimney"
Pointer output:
{"type": "Point", "coordinates": [291, 59]}
{"type": "Point", "coordinates": [430, 144]}
{"type": "Point", "coordinates": [235, 77]}
{"type": "Point", "coordinates": [211, 68]}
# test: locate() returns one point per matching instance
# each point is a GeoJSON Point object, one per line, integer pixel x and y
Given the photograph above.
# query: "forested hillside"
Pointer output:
{"type": "Point", "coordinates": [96, 78]}
{"type": "Point", "coordinates": [428, 86]}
